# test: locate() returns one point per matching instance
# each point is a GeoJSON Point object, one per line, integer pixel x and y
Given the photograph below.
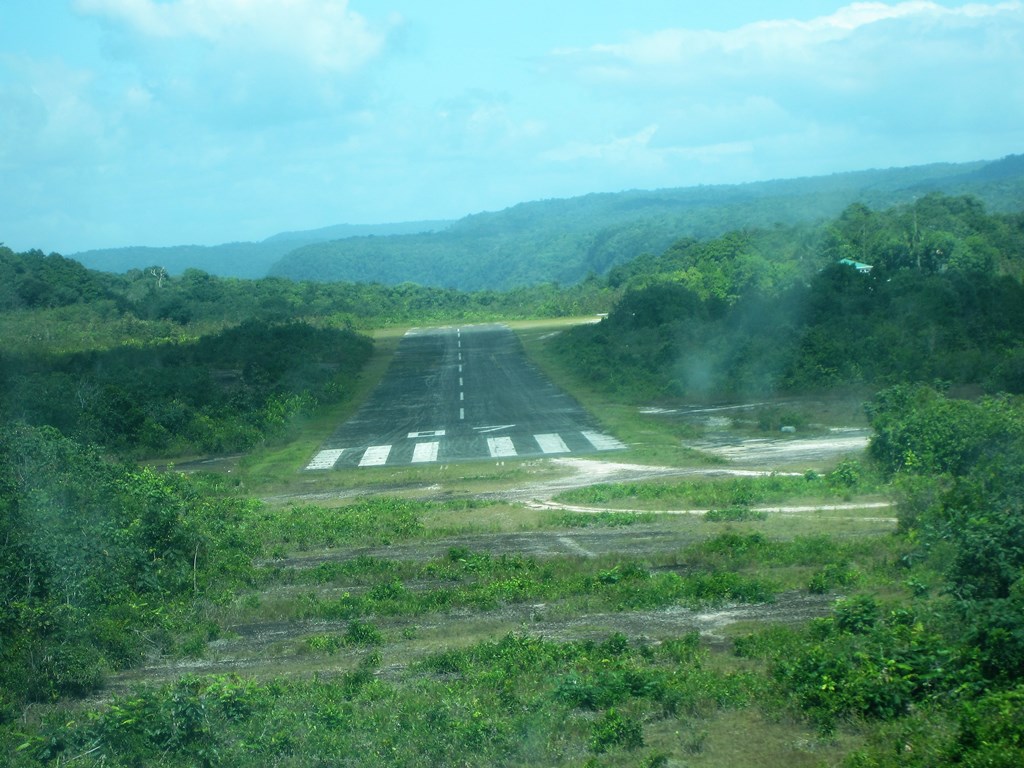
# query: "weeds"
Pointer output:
{"type": "Point", "coordinates": [848, 477]}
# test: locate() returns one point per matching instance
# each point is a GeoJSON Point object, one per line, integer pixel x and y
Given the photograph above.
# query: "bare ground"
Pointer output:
{"type": "Point", "coordinates": [279, 648]}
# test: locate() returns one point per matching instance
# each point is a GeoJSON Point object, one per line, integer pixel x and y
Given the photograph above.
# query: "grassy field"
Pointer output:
{"type": "Point", "coordinates": [479, 615]}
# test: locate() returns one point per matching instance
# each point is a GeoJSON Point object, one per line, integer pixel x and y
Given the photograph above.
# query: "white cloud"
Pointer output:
{"type": "Point", "coordinates": [881, 74]}
{"type": "Point", "coordinates": [49, 115]}
{"type": "Point", "coordinates": [687, 55]}
{"type": "Point", "coordinates": [325, 34]}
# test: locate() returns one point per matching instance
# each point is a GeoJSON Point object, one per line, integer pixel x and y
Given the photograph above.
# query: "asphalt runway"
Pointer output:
{"type": "Point", "coordinates": [461, 394]}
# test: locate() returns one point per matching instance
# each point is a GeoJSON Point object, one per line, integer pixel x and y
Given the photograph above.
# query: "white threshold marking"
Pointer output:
{"type": "Point", "coordinates": [551, 443]}
{"type": "Point", "coordinates": [431, 433]}
{"type": "Point", "coordinates": [603, 442]}
{"type": "Point", "coordinates": [375, 456]}
{"type": "Point", "coordinates": [326, 459]}
{"type": "Point", "coordinates": [424, 452]}
{"type": "Point", "coordinates": [500, 446]}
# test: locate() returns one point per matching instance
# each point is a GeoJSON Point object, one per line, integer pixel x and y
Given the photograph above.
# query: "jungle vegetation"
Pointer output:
{"type": "Point", "coordinates": [565, 240]}
{"type": "Point", "coordinates": [108, 564]}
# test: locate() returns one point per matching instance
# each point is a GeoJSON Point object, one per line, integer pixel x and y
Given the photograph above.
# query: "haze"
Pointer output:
{"type": "Point", "coordinates": [136, 122]}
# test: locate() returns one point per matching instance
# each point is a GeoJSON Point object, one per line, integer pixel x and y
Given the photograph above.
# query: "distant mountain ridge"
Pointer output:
{"type": "Point", "coordinates": [241, 259]}
{"type": "Point", "coordinates": [564, 240]}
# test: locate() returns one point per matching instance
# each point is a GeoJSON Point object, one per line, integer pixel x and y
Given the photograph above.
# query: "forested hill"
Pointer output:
{"type": "Point", "coordinates": [242, 259]}
{"type": "Point", "coordinates": [925, 292]}
{"type": "Point", "coordinates": [563, 241]}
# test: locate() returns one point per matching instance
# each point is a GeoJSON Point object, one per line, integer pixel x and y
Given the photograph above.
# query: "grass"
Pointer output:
{"type": "Point", "coordinates": [779, 741]}
{"type": "Point", "coordinates": [637, 705]}
{"type": "Point", "coordinates": [474, 651]}
{"type": "Point", "coordinates": [719, 493]}
{"type": "Point", "coordinates": [650, 440]}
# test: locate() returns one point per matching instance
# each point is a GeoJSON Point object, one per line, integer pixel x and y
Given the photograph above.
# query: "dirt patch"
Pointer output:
{"type": "Point", "coordinates": [626, 541]}
{"type": "Point", "coordinates": [815, 452]}
{"type": "Point", "coordinates": [580, 473]}
{"type": "Point", "coordinates": [278, 647]}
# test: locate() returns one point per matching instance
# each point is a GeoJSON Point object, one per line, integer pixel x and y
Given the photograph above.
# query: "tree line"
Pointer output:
{"type": "Point", "coordinates": [925, 292]}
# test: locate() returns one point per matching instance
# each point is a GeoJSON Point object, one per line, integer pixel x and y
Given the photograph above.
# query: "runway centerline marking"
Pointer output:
{"type": "Point", "coordinates": [415, 398]}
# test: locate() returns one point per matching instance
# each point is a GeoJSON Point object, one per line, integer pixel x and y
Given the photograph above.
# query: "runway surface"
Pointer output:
{"type": "Point", "coordinates": [460, 394]}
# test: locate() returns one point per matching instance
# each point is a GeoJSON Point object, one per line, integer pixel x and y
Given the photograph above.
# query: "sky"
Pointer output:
{"type": "Point", "coordinates": [164, 122]}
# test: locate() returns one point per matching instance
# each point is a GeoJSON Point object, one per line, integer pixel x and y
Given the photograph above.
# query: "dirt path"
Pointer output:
{"type": "Point", "coordinates": [281, 647]}
{"type": "Point", "coordinates": [629, 541]}
{"type": "Point", "coordinates": [278, 648]}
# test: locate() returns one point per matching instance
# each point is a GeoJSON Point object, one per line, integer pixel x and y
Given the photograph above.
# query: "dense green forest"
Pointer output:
{"type": "Point", "coordinates": [107, 565]}
{"type": "Point", "coordinates": [564, 241]}
{"type": "Point", "coordinates": [760, 312]}
{"type": "Point", "coordinates": [150, 364]}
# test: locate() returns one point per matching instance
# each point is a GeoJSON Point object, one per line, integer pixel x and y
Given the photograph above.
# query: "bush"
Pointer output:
{"type": "Point", "coordinates": [616, 730]}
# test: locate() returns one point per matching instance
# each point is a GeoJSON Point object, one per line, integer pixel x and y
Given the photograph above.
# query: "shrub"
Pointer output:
{"type": "Point", "coordinates": [734, 515]}
{"type": "Point", "coordinates": [616, 730]}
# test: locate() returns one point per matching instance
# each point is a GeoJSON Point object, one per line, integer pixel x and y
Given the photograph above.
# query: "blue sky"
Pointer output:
{"type": "Point", "coordinates": [160, 122]}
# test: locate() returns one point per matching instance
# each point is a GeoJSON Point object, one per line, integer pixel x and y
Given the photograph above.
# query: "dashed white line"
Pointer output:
{"type": "Point", "coordinates": [500, 446]}
{"type": "Point", "coordinates": [462, 395]}
{"type": "Point", "coordinates": [424, 452]}
{"type": "Point", "coordinates": [551, 443]}
{"type": "Point", "coordinates": [375, 456]}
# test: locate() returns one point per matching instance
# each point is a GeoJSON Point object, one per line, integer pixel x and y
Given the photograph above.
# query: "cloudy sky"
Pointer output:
{"type": "Point", "coordinates": [159, 122]}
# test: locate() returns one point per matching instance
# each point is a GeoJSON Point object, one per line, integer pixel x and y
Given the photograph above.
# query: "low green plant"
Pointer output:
{"type": "Point", "coordinates": [735, 514]}
{"type": "Point", "coordinates": [613, 729]}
